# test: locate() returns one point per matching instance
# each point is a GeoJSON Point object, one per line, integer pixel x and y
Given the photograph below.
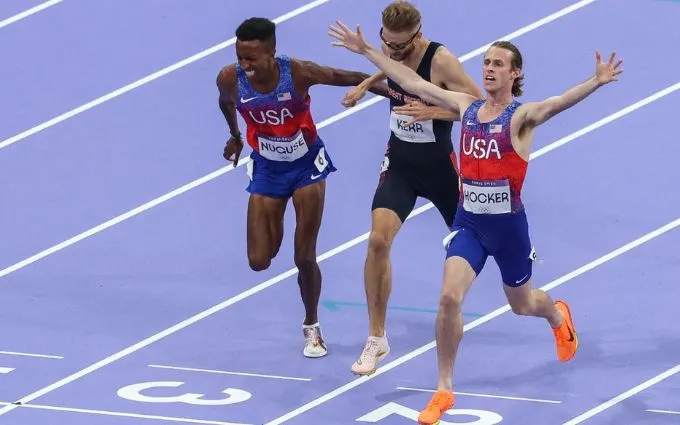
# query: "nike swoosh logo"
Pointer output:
{"type": "Point", "coordinates": [314, 177]}
{"type": "Point", "coordinates": [248, 100]}
{"type": "Point", "coordinates": [520, 280]}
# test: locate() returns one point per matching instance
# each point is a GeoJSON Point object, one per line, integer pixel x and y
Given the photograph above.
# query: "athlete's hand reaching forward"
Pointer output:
{"type": "Point", "coordinates": [353, 41]}
{"type": "Point", "coordinates": [608, 71]}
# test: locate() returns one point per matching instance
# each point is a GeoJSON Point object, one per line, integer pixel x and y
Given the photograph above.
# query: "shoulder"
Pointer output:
{"type": "Point", "coordinates": [473, 104]}
{"type": "Point", "coordinates": [302, 65]}
{"type": "Point", "coordinates": [522, 113]}
{"type": "Point", "coordinates": [444, 58]}
{"type": "Point", "coordinates": [449, 70]}
{"type": "Point", "coordinates": [308, 71]}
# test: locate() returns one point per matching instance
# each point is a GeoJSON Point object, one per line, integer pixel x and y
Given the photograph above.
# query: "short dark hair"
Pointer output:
{"type": "Point", "coordinates": [261, 29]}
{"type": "Point", "coordinates": [516, 62]}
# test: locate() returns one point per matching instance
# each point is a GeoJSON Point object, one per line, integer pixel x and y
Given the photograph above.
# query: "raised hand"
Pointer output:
{"type": "Point", "coordinates": [350, 40]}
{"type": "Point", "coordinates": [608, 71]}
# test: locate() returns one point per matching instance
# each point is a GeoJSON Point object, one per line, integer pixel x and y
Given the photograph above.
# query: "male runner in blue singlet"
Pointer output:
{"type": "Point", "coordinates": [495, 146]}
{"type": "Point", "coordinates": [289, 159]}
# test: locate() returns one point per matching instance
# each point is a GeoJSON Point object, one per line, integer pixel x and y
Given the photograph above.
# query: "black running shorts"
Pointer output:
{"type": "Point", "coordinates": [400, 185]}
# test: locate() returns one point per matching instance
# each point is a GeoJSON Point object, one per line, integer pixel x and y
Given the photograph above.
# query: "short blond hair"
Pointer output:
{"type": "Point", "coordinates": [400, 16]}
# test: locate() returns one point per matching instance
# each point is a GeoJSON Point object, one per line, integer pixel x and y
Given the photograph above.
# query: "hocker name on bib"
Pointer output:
{"type": "Point", "coordinates": [486, 196]}
{"type": "Point", "coordinates": [283, 148]}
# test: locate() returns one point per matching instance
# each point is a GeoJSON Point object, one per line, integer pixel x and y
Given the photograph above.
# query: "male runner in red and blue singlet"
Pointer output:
{"type": "Point", "coordinates": [289, 159]}
{"type": "Point", "coordinates": [495, 145]}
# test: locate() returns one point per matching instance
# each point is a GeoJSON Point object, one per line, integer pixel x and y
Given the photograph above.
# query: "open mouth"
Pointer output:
{"type": "Point", "coordinates": [490, 78]}
{"type": "Point", "coordinates": [250, 73]}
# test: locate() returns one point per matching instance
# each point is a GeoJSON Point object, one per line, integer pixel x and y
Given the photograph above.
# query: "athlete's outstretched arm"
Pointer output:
{"type": "Point", "coordinates": [419, 111]}
{"type": "Point", "coordinates": [226, 85]}
{"type": "Point", "coordinates": [315, 74]}
{"type": "Point", "coordinates": [407, 78]}
{"type": "Point", "coordinates": [358, 92]}
{"type": "Point", "coordinates": [540, 112]}
{"type": "Point", "coordinates": [451, 73]}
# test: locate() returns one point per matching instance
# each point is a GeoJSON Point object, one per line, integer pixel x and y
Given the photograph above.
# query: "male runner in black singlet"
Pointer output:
{"type": "Point", "coordinates": [420, 160]}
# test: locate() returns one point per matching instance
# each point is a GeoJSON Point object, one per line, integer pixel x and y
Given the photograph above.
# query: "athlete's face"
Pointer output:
{"type": "Point", "coordinates": [399, 45]}
{"type": "Point", "coordinates": [256, 58]}
{"type": "Point", "coordinates": [497, 72]}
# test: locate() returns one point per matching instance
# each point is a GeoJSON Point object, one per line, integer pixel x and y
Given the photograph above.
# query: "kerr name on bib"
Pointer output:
{"type": "Point", "coordinates": [487, 197]}
{"type": "Point", "coordinates": [419, 132]}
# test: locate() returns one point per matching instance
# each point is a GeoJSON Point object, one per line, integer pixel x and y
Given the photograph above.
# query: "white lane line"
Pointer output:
{"type": "Point", "coordinates": [5, 370]}
{"type": "Point", "coordinates": [28, 12]}
{"type": "Point", "coordinates": [16, 353]}
{"type": "Point", "coordinates": [503, 397]}
{"type": "Point", "coordinates": [224, 372]}
{"type": "Point", "coordinates": [669, 412]}
{"type": "Point", "coordinates": [149, 78]}
{"type": "Point", "coordinates": [219, 172]}
{"type": "Point", "coordinates": [119, 414]}
{"type": "Point", "coordinates": [624, 396]}
{"type": "Point", "coordinates": [468, 327]}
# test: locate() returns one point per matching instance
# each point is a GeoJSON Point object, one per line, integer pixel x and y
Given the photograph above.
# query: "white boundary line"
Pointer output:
{"type": "Point", "coordinates": [668, 412]}
{"type": "Point", "coordinates": [226, 372]}
{"type": "Point", "coordinates": [44, 356]}
{"type": "Point", "coordinates": [120, 414]}
{"type": "Point", "coordinates": [328, 254]}
{"type": "Point", "coordinates": [475, 323]}
{"type": "Point", "coordinates": [28, 12]}
{"type": "Point", "coordinates": [219, 172]}
{"type": "Point", "coordinates": [149, 78]}
{"type": "Point", "coordinates": [503, 397]}
{"type": "Point", "coordinates": [624, 396]}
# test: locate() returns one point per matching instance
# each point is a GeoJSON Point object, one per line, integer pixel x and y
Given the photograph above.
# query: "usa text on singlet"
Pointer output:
{"type": "Point", "coordinates": [280, 125]}
{"type": "Point", "coordinates": [492, 173]}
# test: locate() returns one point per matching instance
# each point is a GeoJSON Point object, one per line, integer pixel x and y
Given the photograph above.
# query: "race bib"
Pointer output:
{"type": "Point", "coordinates": [419, 132]}
{"type": "Point", "coordinates": [283, 148]}
{"type": "Point", "coordinates": [486, 196]}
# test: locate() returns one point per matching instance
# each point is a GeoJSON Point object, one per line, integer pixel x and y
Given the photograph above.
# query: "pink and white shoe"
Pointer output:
{"type": "Point", "coordinates": [375, 350]}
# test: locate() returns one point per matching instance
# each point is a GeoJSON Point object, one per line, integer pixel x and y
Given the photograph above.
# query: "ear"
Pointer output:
{"type": "Point", "coordinates": [516, 72]}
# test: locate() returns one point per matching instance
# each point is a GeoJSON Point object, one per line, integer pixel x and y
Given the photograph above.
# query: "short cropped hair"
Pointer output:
{"type": "Point", "coordinates": [400, 16]}
{"type": "Point", "coordinates": [261, 29]}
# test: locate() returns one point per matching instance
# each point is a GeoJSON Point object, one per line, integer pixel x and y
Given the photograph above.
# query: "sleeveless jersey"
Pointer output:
{"type": "Point", "coordinates": [492, 173]}
{"type": "Point", "coordinates": [279, 123]}
{"type": "Point", "coordinates": [424, 140]}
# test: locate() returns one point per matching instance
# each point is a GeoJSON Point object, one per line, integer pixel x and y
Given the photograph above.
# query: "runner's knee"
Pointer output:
{"type": "Point", "coordinates": [378, 243]}
{"type": "Point", "coordinates": [258, 262]}
{"type": "Point", "coordinates": [305, 261]}
{"type": "Point", "coordinates": [451, 301]}
{"type": "Point", "coordinates": [522, 306]}
{"type": "Point", "coordinates": [455, 287]}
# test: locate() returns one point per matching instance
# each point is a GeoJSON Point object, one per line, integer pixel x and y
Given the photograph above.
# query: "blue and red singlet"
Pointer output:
{"type": "Point", "coordinates": [287, 151]}
{"type": "Point", "coordinates": [491, 219]}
